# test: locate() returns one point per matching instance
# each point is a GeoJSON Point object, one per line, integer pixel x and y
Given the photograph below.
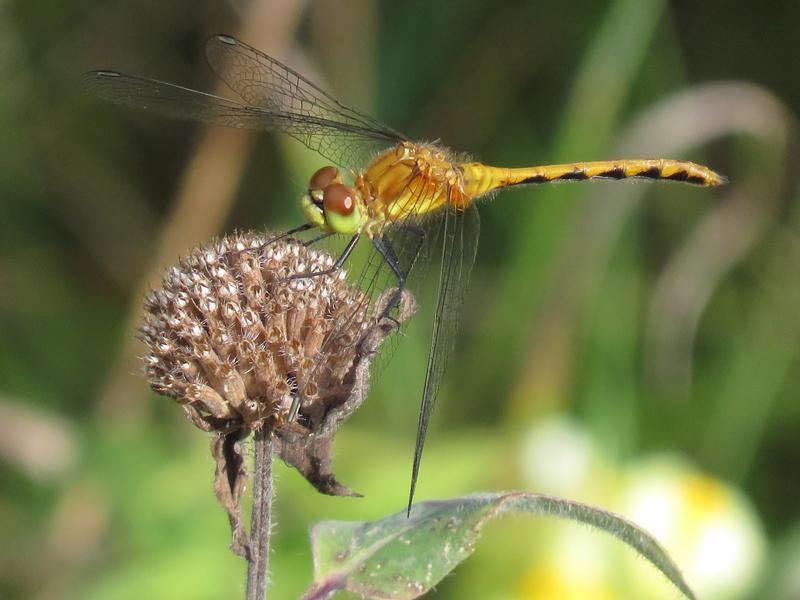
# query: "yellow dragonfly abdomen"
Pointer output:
{"type": "Point", "coordinates": [481, 179]}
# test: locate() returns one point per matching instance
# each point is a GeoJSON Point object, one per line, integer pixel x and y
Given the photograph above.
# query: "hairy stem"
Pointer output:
{"type": "Point", "coordinates": [261, 522]}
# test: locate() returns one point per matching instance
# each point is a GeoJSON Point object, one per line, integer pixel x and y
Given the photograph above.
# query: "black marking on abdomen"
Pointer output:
{"type": "Point", "coordinates": [696, 179]}
{"type": "Point", "coordinates": [651, 173]}
{"type": "Point", "coordinates": [535, 179]}
{"type": "Point", "coordinates": [576, 175]}
{"type": "Point", "coordinates": [681, 175]}
{"type": "Point", "coordinates": [615, 173]}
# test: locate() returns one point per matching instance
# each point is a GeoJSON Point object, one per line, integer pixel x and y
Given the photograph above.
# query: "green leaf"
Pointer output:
{"type": "Point", "coordinates": [399, 557]}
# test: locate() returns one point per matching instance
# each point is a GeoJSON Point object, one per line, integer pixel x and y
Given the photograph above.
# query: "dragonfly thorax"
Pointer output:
{"type": "Point", "coordinates": [407, 181]}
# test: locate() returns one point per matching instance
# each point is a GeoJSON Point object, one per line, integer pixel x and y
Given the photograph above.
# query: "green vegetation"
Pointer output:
{"type": "Point", "coordinates": [610, 328]}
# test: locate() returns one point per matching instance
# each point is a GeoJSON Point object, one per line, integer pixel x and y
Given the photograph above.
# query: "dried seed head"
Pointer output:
{"type": "Point", "coordinates": [239, 343]}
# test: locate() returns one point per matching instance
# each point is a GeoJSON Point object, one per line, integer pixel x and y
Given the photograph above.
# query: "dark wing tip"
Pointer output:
{"type": "Point", "coordinates": [91, 81]}
{"type": "Point", "coordinates": [411, 496]}
{"type": "Point", "coordinates": [91, 76]}
{"type": "Point", "coordinates": [224, 39]}
{"type": "Point", "coordinates": [101, 74]}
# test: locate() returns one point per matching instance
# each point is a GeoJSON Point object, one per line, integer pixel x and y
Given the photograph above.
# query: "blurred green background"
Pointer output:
{"type": "Point", "coordinates": [615, 334]}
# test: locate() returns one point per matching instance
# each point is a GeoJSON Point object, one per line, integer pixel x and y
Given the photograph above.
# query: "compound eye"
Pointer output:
{"type": "Point", "coordinates": [323, 177]}
{"type": "Point", "coordinates": [339, 199]}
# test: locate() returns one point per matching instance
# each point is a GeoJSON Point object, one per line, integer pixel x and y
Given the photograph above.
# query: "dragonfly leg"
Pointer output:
{"type": "Point", "coordinates": [319, 238]}
{"type": "Point", "coordinates": [337, 265]}
{"type": "Point", "coordinates": [285, 234]}
{"type": "Point", "coordinates": [384, 246]}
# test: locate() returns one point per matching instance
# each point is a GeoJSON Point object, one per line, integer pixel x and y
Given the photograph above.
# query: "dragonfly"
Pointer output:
{"type": "Point", "coordinates": [410, 200]}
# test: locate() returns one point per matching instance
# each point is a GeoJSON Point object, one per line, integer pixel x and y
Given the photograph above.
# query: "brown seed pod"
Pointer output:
{"type": "Point", "coordinates": [236, 338]}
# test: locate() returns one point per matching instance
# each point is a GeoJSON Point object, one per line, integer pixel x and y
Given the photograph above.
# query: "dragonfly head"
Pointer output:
{"type": "Point", "coordinates": [329, 204]}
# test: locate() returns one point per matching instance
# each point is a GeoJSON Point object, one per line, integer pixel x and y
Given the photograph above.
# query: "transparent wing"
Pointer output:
{"type": "Point", "coordinates": [179, 102]}
{"type": "Point", "coordinates": [457, 242]}
{"type": "Point", "coordinates": [263, 82]}
{"type": "Point", "coordinates": [275, 99]}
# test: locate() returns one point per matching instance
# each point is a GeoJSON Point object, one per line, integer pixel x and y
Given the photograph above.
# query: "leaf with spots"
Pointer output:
{"type": "Point", "coordinates": [402, 558]}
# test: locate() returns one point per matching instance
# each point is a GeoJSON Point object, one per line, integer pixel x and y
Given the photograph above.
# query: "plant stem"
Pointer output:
{"type": "Point", "coordinates": [261, 521]}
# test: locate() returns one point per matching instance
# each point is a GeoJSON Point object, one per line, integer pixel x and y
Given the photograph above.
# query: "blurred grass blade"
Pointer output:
{"type": "Point", "coordinates": [600, 89]}
{"type": "Point", "coordinates": [401, 558]}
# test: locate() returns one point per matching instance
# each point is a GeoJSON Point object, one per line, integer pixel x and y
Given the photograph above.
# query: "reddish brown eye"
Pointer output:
{"type": "Point", "coordinates": [339, 199]}
{"type": "Point", "coordinates": [323, 177]}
